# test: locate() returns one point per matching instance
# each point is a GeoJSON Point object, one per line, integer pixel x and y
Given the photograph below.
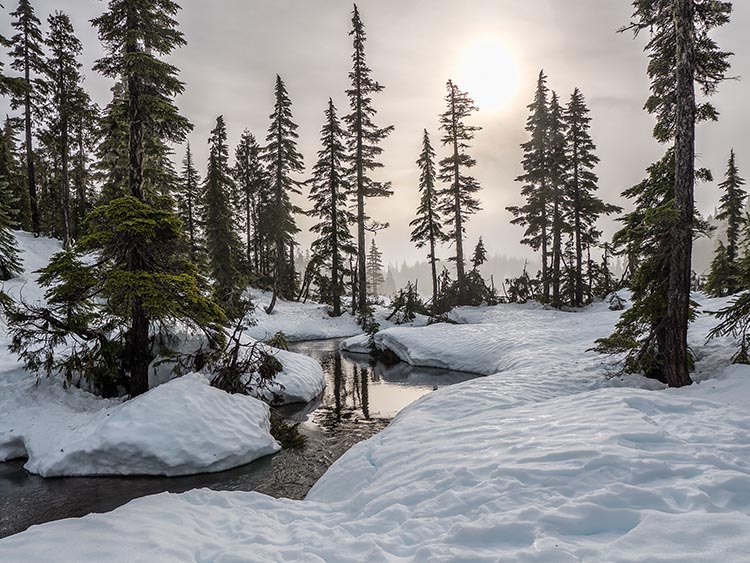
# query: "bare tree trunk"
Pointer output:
{"type": "Point", "coordinates": [681, 239]}
{"type": "Point", "coordinates": [556, 252]}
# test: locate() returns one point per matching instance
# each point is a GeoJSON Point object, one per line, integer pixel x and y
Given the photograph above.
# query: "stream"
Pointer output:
{"type": "Point", "coordinates": [361, 397]}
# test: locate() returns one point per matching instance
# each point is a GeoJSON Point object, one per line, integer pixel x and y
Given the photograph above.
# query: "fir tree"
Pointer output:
{"type": "Point", "coordinates": [10, 264]}
{"type": "Point", "coordinates": [480, 255]}
{"type": "Point", "coordinates": [428, 225]}
{"type": "Point", "coordinates": [682, 54]}
{"type": "Point", "coordinates": [189, 203]}
{"type": "Point", "coordinates": [585, 207]}
{"type": "Point", "coordinates": [329, 192]}
{"type": "Point", "coordinates": [725, 270]}
{"type": "Point", "coordinates": [558, 202]}
{"type": "Point", "coordinates": [458, 198]}
{"type": "Point", "coordinates": [112, 162]}
{"type": "Point", "coordinates": [11, 171]}
{"type": "Point", "coordinates": [282, 159]}
{"type": "Point", "coordinates": [374, 269]}
{"type": "Point", "coordinates": [133, 33]}
{"type": "Point", "coordinates": [28, 59]}
{"type": "Point", "coordinates": [252, 199]}
{"type": "Point", "coordinates": [63, 79]}
{"type": "Point", "coordinates": [534, 214]}
{"type": "Point", "coordinates": [83, 128]}
{"type": "Point", "coordinates": [222, 243]}
{"type": "Point", "coordinates": [364, 146]}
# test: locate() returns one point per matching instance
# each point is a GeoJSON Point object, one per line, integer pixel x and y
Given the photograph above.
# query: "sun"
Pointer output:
{"type": "Point", "coordinates": [488, 71]}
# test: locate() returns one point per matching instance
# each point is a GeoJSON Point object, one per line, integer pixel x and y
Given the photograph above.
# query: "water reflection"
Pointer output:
{"type": "Point", "coordinates": [356, 385]}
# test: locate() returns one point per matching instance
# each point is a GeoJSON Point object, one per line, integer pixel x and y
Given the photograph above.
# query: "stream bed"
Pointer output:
{"type": "Point", "coordinates": [360, 399]}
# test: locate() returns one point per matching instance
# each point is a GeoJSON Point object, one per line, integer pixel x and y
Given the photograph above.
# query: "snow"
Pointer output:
{"type": "Point", "coordinates": [302, 378]}
{"type": "Point", "coordinates": [179, 428]}
{"type": "Point", "coordinates": [549, 459]}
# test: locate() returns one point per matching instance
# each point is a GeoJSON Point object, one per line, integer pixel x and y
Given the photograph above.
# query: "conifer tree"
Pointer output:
{"type": "Point", "coordinates": [480, 255]}
{"type": "Point", "coordinates": [725, 269]}
{"type": "Point", "coordinates": [10, 263]}
{"type": "Point", "coordinates": [222, 244]}
{"type": "Point", "coordinates": [428, 225]}
{"type": "Point", "coordinates": [282, 159]}
{"type": "Point", "coordinates": [374, 269]}
{"type": "Point", "coordinates": [189, 203]}
{"type": "Point", "coordinates": [11, 171]}
{"type": "Point", "coordinates": [134, 33]}
{"type": "Point", "coordinates": [458, 198]}
{"type": "Point", "coordinates": [83, 129]}
{"type": "Point", "coordinates": [112, 162]}
{"type": "Point", "coordinates": [364, 142]}
{"type": "Point", "coordinates": [682, 54]}
{"type": "Point", "coordinates": [252, 198]}
{"type": "Point", "coordinates": [28, 59]}
{"type": "Point", "coordinates": [329, 193]}
{"type": "Point", "coordinates": [63, 78]}
{"type": "Point", "coordinates": [534, 214]}
{"type": "Point", "coordinates": [585, 207]}
{"type": "Point", "coordinates": [557, 195]}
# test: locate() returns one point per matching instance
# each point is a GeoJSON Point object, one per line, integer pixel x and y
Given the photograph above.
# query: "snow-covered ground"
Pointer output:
{"type": "Point", "coordinates": [181, 427]}
{"type": "Point", "coordinates": [549, 459]}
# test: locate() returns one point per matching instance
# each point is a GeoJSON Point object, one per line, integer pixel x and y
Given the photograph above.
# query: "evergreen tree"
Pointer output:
{"type": "Point", "coordinates": [189, 203]}
{"type": "Point", "coordinates": [252, 199]}
{"type": "Point", "coordinates": [725, 270]}
{"type": "Point", "coordinates": [682, 54]}
{"type": "Point", "coordinates": [458, 199]}
{"type": "Point", "coordinates": [28, 59]}
{"type": "Point", "coordinates": [480, 255]}
{"type": "Point", "coordinates": [282, 159]}
{"type": "Point", "coordinates": [364, 147]}
{"type": "Point", "coordinates": [534, 214]}
{"type": "Point", "coordinates": [428, 225]}
{"type": "Point", "coordinates": [11, 171]}
{"type": "Point", "coordinates": [63, 79]}
{"type": "Point", "coordinates": [10, 263]}
{"type": "Point", "coordinates": [558, 202]}
{"type": "Point", "coordinates": [329, 192]}
{"type": "Point", "coordinates": [222, 244]}
{"type": "Point", "coordinates": [112, 162]}
{"type": "Point", "coordinates": [585, 207]}
{"type": "Point", "coordinates": [133, 33]}
{"type": "Point", "coordinates": [83, 133]}
{"type": "Point", "coordinates": [374, 269]}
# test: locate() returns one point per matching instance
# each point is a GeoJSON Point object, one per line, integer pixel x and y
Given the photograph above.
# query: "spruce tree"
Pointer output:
{"type": "Point", "coordinates": [585, 208]}
{"type": "Point", "coordinates": [534, 214]}
{"type": "Point", "coordinates": [282, 159]}
{"type": "Point", "coordinates": [10, 263]}
{"type": "Point", "coordinates": [558, 201]}
{"type": "Point", "coordinates": [222, 244]}
{"type": "Point", "coordinates": [189, 203]}
{"type": "Point", "coordinates": [458, 198]}
{"type": "Point", "coordinates": [374, 269]}
{"type": "Point", "coordinates": [329, 193]}
{"type": "Point", "coordinates": [63, 79]}
{"type": "Point", "coordinates": [252, 197]}
{"type": "Point", "coordinates": [480, 255]}
{"type": "Point", "coordinates": [682, 54]}
{"type": "Point", "coordinates": [725, 270]}
{"type": "Point", "coordinates": [112, 162]}
{"type": "Point", "coordinates": [28, 59]}
{"type": "Point", "coordinates": [11, 171]}
{"type": "Point", "coordinates": [428, 225]}
{"type": "Point", "coordinates": [364, 142]}
{"type": "Point", "coordinates": [134, 33]}
{"type": "Point", "coordinates": [83, 132]}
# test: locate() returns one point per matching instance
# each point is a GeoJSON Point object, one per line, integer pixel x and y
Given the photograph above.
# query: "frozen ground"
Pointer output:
{"type": "Point", "coordinates": [549, 459]}
{"type": "Point", "coordinates": [178, 428]}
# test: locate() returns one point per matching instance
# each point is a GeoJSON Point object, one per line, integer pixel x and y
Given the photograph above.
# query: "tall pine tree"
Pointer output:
{"type": "Point", "coordinates": [364, 142]}
{"type": "Point", "coordinates": [189, 202]}
{"type": "Point", "coordinates": [458, 198]}
{"type": "Point", "coordinates": [329, 192]}
{"type": "Point", "coordinates": [428, 225]}
{"type": "Point", "coordinates": [374, 269]}
{"type": "Point", "coordinates": [252, 197]}
{"type": "Point", "coordinates": [282, 160]}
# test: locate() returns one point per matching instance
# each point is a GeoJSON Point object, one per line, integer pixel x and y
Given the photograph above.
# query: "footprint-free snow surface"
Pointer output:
{"type": "Point", "coordinates": [550, 458]}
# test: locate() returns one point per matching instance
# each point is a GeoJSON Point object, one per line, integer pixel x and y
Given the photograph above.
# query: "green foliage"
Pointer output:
{"type": "Point", "coordinates": [407, 304]}
{"type": "Point", "coordinates": [279, 341]}
{"type": "Point", "coordinates": [132, 252]}
{"type": "Point", "coordinates": [473, 293]}
{"type": "Point", "coordinates": [524, 288]}
{"type": "Point", "coordinates": [10, 263]}
{"type": "Point", "coordinates": [375, 277]}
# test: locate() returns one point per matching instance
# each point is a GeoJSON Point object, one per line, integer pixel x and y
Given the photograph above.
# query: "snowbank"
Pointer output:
{"type": "Point", "coordinates": [302, 377]}
{"type": "Point", "coordinates": [179, 428]}
{"type": "Point", "coordinates": [548, 460]}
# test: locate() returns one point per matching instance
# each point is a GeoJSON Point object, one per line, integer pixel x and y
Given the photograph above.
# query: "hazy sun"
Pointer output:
{"type": "Point", "coordinates": [488, 71]}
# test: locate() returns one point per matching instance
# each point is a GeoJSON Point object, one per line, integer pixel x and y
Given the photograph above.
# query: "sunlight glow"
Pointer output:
{"type": "Point", "coordinates": [489, 72]}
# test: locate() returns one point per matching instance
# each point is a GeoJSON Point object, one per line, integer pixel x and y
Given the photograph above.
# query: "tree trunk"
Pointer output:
{"type": "Point", "coordinates": [681, 238]}
{"type": "Point", "coordinates": [460, 271]}
{"type": "Point", "coordinates": [578, 227]}
{"type": "Point", "coordinates": [31, 177]}
{"type": "Point", "coordinates": [556, 252]}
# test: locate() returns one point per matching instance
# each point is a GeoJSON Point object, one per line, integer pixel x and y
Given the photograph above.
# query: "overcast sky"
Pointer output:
{"type": "Point", "coordinates": [236, 47]}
